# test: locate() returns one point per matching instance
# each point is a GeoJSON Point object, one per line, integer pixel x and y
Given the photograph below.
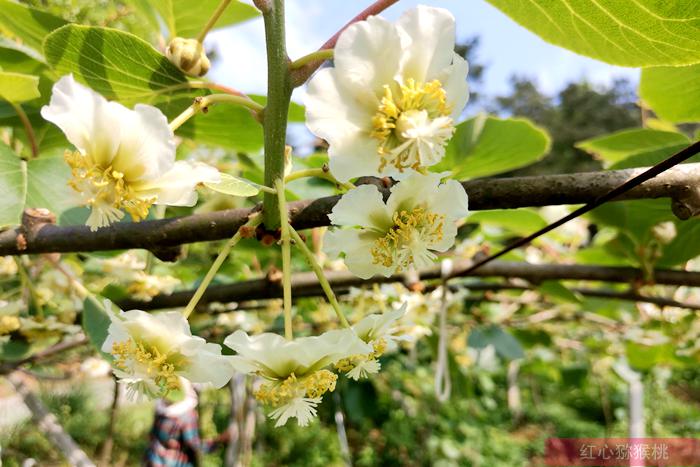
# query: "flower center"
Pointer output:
{"type": "Point", "coordinates": [412, 125]}
{"type": "Point", "coordinates": [130, 356]}
{"type": "Point", "coordinates": [105, 190]}
{"type": "Point", "coordinates": [408, 240]}
{"type": "Point", "coordinates": [347, 364]}
{"type": "Point", "coordinates": [313, 386]}
{"type": "Point", "coordinates": [8, 324]}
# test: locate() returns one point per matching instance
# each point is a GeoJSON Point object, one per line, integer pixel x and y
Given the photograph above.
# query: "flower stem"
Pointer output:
{"type": "Point", "coordinates": [223, 254]}
{"type": "Point", "coordinates": [320, 173]}
{"type": "Point", "coordinates": [322, 54]}
{"type": "Point", "coordinates": [28, 128]}
{"type": "Point", "coordinates": [279, 92]}
{"type": "Point", "coordinates": [301, 74]}
{"type": "Point", "coordinates": [214, 18]}
{"type": "Point", "coordinates": [319, 274]}
{"type": "Point", "coordinates": [27, 282]}
{"type": "Point", "coordinates": [201, 103]}
{"type": "Point", "coordinates": [286, 259]}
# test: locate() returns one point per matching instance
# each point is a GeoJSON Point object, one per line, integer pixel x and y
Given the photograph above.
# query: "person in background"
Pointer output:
{"type": "Point", "coordinates": [174, 439]}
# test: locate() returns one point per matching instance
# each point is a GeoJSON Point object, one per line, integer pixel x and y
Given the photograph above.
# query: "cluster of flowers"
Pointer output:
{"type": "Point", "coordinates": [151, 351]}
{"type": "Point", "coordinates": [387, 108]}
{"type": "Point", "coordinates": [129, 270]}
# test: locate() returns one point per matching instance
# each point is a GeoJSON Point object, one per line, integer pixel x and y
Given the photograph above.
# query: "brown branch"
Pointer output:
{"type": "Point", "coordinates": [48, 423]}
{"type": "Point", "coordinates": [646, 175]}
{"type": "Point", "coordinates": [44, 354]}
{"type": "Point", "coordinates": [677, 183]}
{"type": "Point", "coordinates": [305, 284]}
{"type": "Point", "coordinates": [300, 75]}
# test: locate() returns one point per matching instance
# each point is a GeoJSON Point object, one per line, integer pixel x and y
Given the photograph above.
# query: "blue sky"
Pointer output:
{"type": "Point", "coordinates": [506, 48]}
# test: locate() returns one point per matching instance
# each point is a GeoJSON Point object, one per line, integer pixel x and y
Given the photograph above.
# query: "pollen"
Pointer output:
{"type": "Point", "coordinates": [413, 231]}
{"type": "Point", "coordinates": [131, 356]}
{"type": "Point", "coordinates": [347, 364]}
{"type": "Point", "coordinates": [410, 122]}
{"type": "Point", "coordinates": [312, 386]}
{"type": "Point", "coordinates": [105, 189]}
{"type": "Point", "coordinates": [8, 324]}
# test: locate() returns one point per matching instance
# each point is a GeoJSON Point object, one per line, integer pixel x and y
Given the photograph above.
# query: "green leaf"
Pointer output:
{"type": "Point", "coordinates": [558, 291]}
{"type": "Point", "coordinates": [634, 217]}
{"type": "Point", "coordinates": [519, 221]}
{"type": "Point", "coordinates": [672, 92]}
{"type": "Point", "coordinates": [19, 58]}
{"type": "Point", "coordinates": [47, 185]}
{"type": "Point", "coordinates": [643, 357]}
{"type": "Point", "coordinates": [12, 186]}
{"type": "Point", "coordinates": [505, 344]}
{"type": "Point", "coordinates": [234, 186]}
{"type": "Point", "coordinates": [25, 24]}
{"type": "Point", "coordinates": [653, 157]}
{"type": "Point", "coordinates": [14, 350]}
{"type": "Point", "coordinates": [486, 145]}
{"type": "Point", "coordinates": [18, 87]}
{"type": "Point", "coordinates": [114, 63]}
{"type": "Point", "coordinates": [96, 323]}
{"type": "Point", "coordinates": [223, 125]}
{"type": "Point", "coordinates": [628, 33]}
{"type": "Point", "coordinates": [617, 146]}
{"type": "Point", "coordinates": [183, 19]}
{"type": "Point", "coordinates": [684, 246]}
{"type": "Point", "coordinates": [38, 183]}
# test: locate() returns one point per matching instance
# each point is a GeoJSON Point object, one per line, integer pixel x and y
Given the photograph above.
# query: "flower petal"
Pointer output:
{"type": "Point", "coordinates": [355, 155]}
{"type": "Point", "coordinates": [413, 191]}
{"type": "Point", "coordinates": [277, 358]}
{"type": "Point", "coordinates": [454, 81]}
{"type": "Point", "coordinates": [450, 199]}
{"type": "Point", "coordinates": [432, 33]}
{"type": "Point", "coordinates": [89, 121]}
{"type": "Point", "coordinates": [207, 365]}
{"type": "Point", "coordinates": [330, 114]}
{"type": "Point", "coordinates": [367, 56]}
{"type": "Point", "coordinates": [362, 206]}
{"type": "Point", "coordinates": [375, 326]}
{"type": "Point", "coordinates": [147, 146]}
{"type": "Point", "coordinates": [356, 244]}
{"type": "Point", "coordinates": [177, 186]}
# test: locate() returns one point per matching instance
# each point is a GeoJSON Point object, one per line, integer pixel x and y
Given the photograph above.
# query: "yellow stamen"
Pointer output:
{"type": "Point", "coordinates": [8, 324]}
{"type": "Point", "coordinates": [417, 225]}
{"type": "Point", "coordinates": [154, 363]}
{"type": "Point", "coordinates": [411, 96]}
{"type": "Point", "coordinates": [313, 386]}
{"type": "Point", "coordinates": [105, 187]}
{"type": "Point", "coordinates": [347, 364]}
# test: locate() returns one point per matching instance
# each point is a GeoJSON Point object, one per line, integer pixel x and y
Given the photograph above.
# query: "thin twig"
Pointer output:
{"type": "Point", "coordinates": [28, 129]}
{"type": "Point", "coordinates": [648, 174]}
{"type": "Point", "coordinates": [301, 74]}
{"type": "Point", "coordinates": [305, 284]}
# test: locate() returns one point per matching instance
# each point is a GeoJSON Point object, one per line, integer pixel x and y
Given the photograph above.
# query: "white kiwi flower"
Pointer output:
{"type": "Point", "coordinates": [294, 371]}
{"type": "Point", "coordinates": [418, 218]}
{"type": "Point", "coordinates": [125, 159]}
{"type": "Point", "coordinates": [390, 102]}
{"type": "Point", "coordinates": [379, 331]}
{"type": "Point", "coordinates": [151, 352]}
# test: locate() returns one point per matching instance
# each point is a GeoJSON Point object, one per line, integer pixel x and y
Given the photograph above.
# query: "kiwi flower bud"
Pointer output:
{"type": "Point", "coordinates": [188, 55]}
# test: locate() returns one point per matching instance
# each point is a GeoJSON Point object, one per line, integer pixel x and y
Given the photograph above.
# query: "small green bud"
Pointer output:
{"type": "Point", "coordinates": [188, 55]}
